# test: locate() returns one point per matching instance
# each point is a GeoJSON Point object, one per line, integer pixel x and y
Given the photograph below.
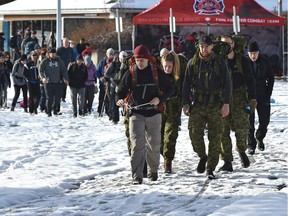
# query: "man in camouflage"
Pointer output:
{"type": "Point", "coordinates": [206, 96]}
{"type": "Point", "coordinates": [238, 119]}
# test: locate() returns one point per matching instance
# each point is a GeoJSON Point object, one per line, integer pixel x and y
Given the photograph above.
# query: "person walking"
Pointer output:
{"type": "Point", "coordinates": [42, 102]}
{"type": "Point", "coordinates": [264, 79]}
{"type": "Point", "coordinates": [77, 74]}
{"type": "Point", "coordinates": [171, 119]}
{"type": "Point", "coordinates": [243, 93]}
{"type": "Point", "coordinates": [111, 72]}
{"type": "Point", "coordinates": [143, 82]}
{"type": "Point", "coordinates": [19, 81]}
{"type": "Point", "coordinates": [52, 71]}
{"type": "Point", "coordinates": [206, 95]}
{"type": "Point", "coordinates": [91, 84]}
{"type": "Point", "coordinates": [103, 82]}
{"type": "Point", "coordinates": [66, 53]}
{"type": "Point", "coordinates": [31, 73]}
{"type": "Point", "coordinates": [5, 81]}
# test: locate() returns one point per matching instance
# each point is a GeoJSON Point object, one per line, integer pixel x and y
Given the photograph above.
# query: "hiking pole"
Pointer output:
{"type": "Point", "coordinates": [136, 107]}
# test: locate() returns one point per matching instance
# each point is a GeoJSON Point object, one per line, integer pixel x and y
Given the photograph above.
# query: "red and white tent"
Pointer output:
{"type": "Point", "coordinates": [208, 12]}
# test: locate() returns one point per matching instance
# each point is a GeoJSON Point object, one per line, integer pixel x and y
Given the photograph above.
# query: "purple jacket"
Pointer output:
{"type": "Point", "coordinates": [92, 77]}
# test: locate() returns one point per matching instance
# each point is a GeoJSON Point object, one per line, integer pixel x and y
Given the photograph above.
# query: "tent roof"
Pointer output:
{"type": "Point", "coordinates": [204, 12]}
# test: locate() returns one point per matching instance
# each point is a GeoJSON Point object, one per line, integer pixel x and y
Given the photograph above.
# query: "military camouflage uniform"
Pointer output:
{"type": "Point", "coordinates": [238, 118]}
{"type": "Point", "coordinates": [171, 118]}
{"type": "Point", "coordinates": [209, 84]}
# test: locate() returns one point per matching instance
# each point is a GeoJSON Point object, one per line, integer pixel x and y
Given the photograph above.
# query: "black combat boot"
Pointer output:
{"type": "Point", "coordinates": [227, 166]}
{"type": "Point", "coordinates": [210, 175]}
{"type": "Point", "coordinates": [260, 145]}
{"type": "Point", "coordinates": [202, 164]}
{"type": "Point", "coordinates": [167, 166]}
{"type": "Point", "coordinates": [244, 160]}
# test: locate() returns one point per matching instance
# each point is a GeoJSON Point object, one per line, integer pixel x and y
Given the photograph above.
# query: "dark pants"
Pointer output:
{"type": "Point", "coordinates": [103, 98]}
{"type": "Point", "coordinates": [89, 98]}
{"type": "Point", "coordinates": [17, 89]}
{"type": "Point", "coordinates": [113, 108]}
{"type": "Point", "coordinates": [263, 110]}
{"type": "Point", "coordinates": [64, 91]}
{"type": "Point", "coordinates": [53, 96]}
{"type": "Point", "coordinates": [42, 98]}
{"type": "Point", "coordinates": [77, 97]}
{"type": "Point", "coordinates": [34, 96]}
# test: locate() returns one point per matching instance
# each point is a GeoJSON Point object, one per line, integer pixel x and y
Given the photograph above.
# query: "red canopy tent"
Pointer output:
{"type": "Point", "coordinates": [208, 12]}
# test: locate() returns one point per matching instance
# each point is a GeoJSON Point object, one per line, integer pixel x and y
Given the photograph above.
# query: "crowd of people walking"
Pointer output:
{"type": "Point", "coordinates": [218, 91]}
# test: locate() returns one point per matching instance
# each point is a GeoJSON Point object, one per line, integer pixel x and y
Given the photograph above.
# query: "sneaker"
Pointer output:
{"type": "Point", "coordinates": [210, 175]}
{"type": "Point", "coordinates": [202, 164]}
{"type": "Point", "coordinates": [260, 145]}
{"type": "Point", "coordinates": [153, 176]}
{"type": "Point", "coordinates": [244, 160]}
{"type": "Point", "coordinates": [12, 109]}
{"type": "Point", "coordinates": [167, 166]}
{"type": "Point", "coordinates": [25, 110]}
{"type": "Point", "coordinates": [75, 115]}
{"type": "Point", "coordinates": [227, 166]}
{"type": "Point", "coordinates": [137, 180]}
{"type": "Point", "coordinates": [49, 114]}
{"type": "Point", "coordinates": [35, 111]}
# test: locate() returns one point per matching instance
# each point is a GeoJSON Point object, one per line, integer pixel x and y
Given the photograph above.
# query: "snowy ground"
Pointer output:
{"type": "Point", "coordinates": [80, 166]}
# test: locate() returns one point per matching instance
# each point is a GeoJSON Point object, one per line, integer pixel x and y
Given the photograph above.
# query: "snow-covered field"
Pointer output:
{"type": "Point", "coordinates": [80, 166]}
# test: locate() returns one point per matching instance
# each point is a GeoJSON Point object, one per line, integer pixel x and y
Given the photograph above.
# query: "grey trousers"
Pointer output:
{"type": "Point", "coordinates": [78, 96]}
{"type": "Point", "coordinates": [145, 137]}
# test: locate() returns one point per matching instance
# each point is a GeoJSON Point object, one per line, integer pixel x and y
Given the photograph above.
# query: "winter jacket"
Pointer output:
{"type": "Point", "coordinates": [54, 69]}
{"type": "Point", "coordinates": [92, 75]}
{"type": "Point", "coordinates": [145, 89]}
{"type": "Point", "coordinates": [31, 73]}
{"type": "Point", "coordinates": [264, 77]}
{"type": "Point", "coordinates": [66, 54]}
{"type": "Point", "coordinates": [77, 75]}
{"type": "Point", "coordinates": [18, 73]}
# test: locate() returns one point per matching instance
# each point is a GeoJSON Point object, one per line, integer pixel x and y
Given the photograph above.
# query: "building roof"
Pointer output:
{"type": "Point", "coordinates": [72, 7]}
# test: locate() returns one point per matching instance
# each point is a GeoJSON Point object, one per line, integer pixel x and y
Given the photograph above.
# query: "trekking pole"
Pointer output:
{"type": "Point", "coordinates": [136, 107]}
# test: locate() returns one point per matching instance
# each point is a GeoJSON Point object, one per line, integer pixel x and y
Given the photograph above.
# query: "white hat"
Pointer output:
{"type": "Point", "coordinates": [122, 54]}
{"type": "Point", "coordinates": [164, 51]}
{"type": "Point", "coordinates": [110, 51]}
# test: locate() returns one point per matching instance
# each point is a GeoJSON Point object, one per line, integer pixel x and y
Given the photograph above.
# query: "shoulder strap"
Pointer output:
{"type": "Point", "coordinates": [134, 74]}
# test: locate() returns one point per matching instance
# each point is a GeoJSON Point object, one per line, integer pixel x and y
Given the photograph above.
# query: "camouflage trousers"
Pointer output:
{"type": "Point", "coordinates": [237, 121]}
{"type": "Point", "coordinates": [169, 130]}
{"type": "Point", "coordinates": [202, 116]}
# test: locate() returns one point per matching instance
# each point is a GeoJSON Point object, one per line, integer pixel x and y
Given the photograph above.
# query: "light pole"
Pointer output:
{"type": "Point", "coordinates": [58, 25]}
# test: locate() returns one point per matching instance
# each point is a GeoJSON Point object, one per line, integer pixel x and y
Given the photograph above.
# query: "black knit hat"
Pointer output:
{"type": "Point", "coordinates": [23, 57]}
{"type": "Point", "coordinates": [253, 47]}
